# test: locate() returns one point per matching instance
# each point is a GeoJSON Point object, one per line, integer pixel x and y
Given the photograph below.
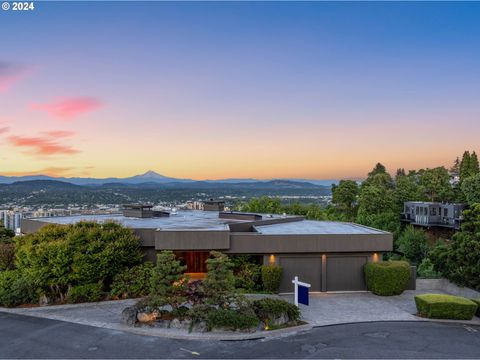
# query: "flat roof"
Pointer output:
{"type": "Point", "coordinates": [311, 227]}
{"type": "Point", "coordinates": [182, 220]}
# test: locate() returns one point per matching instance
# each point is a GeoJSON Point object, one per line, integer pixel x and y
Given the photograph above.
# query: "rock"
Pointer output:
{"type": "Point", "coordinates": [282, 319]}
{"type": "Point", "coordinates": [200, 327]}
{"type": "Point", "coordinates": [164, 324]}
{"type": "Point", "coordinates": [180, 324]}
{"type": "Point", "coordinates": [145, 317]}
{"type": "Point", "coordinates": [129, 316]}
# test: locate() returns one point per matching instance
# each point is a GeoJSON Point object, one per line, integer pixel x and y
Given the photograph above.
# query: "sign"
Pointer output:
{"type": "Point", "coordinates": [301, 292]}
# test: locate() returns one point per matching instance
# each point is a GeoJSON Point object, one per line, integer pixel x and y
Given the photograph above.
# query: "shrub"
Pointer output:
{"type": "Point", "coordinates": [133, 282]}
{"type": "Point", "coordinates": [413, 244]}
{"type": "Point", "coordinates": [271, 309]}
{"type": "Point", "coordinates": [7, 256]}
{"type": "Point", "coordinates": [231, 319]}
{"type": "Point", "coordinates": [168, 282]}
{"type": "Point", "coordinates": [63, 256]}
{"type": "Point", "coordinates": [387, 278]}
{"type": "Point", "coordinates": [445, 307]}
{"type": "Point", "coordinates": [248, 277]}
{"type": "Point", "coordinates": [477, 301]}
{"type": "Point", "coordinates": [271, 276]}
{"type": "Point", "coordinates": [219, 284]}
{"type": "Point", "coordinates": [426, 271]}
{"type": "Point", "coordinates": [195, 293]}
{"type": "Point", "coordinates": [85, 293]}
{"type": "Point", "coordinates": [16, 288]}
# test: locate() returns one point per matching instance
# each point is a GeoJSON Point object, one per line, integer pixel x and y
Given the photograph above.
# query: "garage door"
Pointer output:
{"type": "Point", "coordinates": [308, 269]}
{"type": "Point", "coordinates": [345, 273]}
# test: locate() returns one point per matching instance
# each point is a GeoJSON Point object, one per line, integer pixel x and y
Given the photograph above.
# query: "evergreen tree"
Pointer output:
{"type": "Point", "coordinates": [219, 285]}
{"type": "Point", "coordinates": [168, 282]}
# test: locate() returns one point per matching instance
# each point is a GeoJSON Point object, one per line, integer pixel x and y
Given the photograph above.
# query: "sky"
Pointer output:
{"type": "Point", "coordinates": [315, 90]}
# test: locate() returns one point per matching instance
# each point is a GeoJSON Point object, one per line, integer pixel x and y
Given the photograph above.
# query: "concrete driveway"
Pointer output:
{"type": "Point", "coordinates": [341, 308]}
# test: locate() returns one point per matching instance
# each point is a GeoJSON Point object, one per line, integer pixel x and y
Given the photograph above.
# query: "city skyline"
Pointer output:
{"type": "Point", "coordinates": [237, 90]}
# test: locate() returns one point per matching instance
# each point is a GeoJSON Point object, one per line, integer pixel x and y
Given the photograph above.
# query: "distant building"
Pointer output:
{"type": "Point", "coordinates": [213, 205]}
{"type": "Point", "coordinates": [142, 211]}
{"type": "Point", "coordinates": [430, 214]}
{"type": "Point", "coordinates": [208, 205]}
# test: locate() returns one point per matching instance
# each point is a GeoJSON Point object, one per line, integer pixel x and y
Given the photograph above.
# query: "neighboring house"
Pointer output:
{"type": "Point", "coordinates": [431, 214]}
{"type": "Point", "coordinates": [328, 255]}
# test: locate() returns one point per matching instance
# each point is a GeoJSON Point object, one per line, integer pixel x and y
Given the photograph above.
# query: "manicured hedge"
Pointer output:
{"type": "Point", "coordinates": [387, 278]}
{"type": "Point", "coordinates": [477, 301]}
{"type": "Point", "coordinates": [439, 306]}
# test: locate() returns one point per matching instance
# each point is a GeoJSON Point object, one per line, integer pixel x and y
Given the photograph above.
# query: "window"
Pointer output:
{"type": "Point", "coordinates": [433, 211]}
{"type": "Point", "coordinates": [416, 210]}
{"type": "Point", "coordinates": [445, 212]}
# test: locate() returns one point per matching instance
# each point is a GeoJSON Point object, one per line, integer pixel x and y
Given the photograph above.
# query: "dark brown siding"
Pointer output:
{"type": "Point", "coordinates": [255, 243]}
{"type": "Point", "coordinates": [345, 273]}
{"type": "Point", "coordinates": [192, 240]}
{"type": "Point", "coordinates": [307, 268]}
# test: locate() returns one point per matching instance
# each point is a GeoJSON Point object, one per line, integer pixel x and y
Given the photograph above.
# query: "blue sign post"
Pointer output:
{"type": "Point", "coordinates": [301, 291]}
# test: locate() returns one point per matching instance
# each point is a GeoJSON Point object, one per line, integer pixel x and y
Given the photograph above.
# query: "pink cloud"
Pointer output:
{"type": "Point", "coordinates": [41, 145]}
{"type": "Point", "coordinates": [11, 73]}
{"type": "Point", "coordinates": [59, 133]}
{"type": "Point", "coordinates": [50, 171]}
{"type": "Point", "coordinates": [4, 129]}
{"type": "Point", "coordinates": [69, 108]}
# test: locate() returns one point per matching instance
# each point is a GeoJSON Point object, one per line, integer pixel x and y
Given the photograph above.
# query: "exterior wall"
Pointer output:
{"type": "Point", "coordinates": [255, 243]}
{"type": "Point", "coordinates": [192, 240]}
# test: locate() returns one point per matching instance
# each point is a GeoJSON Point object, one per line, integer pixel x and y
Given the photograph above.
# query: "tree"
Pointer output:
{"type": "Point", "coordinates": [7, 249]}
{"type": "Point", "coordinates": [455, 169]}
{"type": "Point", "coordinates": [219, 284]}
{"type": "Point", "coordinates": [459, 260]}
{"type": "Point", "coordinates": [407, 188]}
{"type": "Point", "coordinates": [378, 169]}
{"type": "Point", "coordinates": [471, 189]}
{"type": "Point", "coordinates": [59, 257]}
{"type": "Point", "coordinates": [413, 244]}
{"type": "Point", "coordinates": [469, 165]}
{"type": "Point", "coordinates": [263, 205]}
{"type": "Point", "coordinates": [436, 183]}
{"type": "Point", "coordinates": [168, 282]}
{"type": "Point", "coordinates": [377, 208]}
{"type": "Point", "coordinates": [344, 196]}
{"type": "Point", "coordinates": [379, 176]}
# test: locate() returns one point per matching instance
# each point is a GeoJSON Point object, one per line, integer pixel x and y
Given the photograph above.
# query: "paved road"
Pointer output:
{"type": "Point", "coordinates": [30, 337]}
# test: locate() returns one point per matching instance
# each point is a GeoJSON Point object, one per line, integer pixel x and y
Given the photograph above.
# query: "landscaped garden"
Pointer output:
{"type": "Point", "coordinates": [212, 304]}
{"type": "Point", "coordinates": [89, 262]}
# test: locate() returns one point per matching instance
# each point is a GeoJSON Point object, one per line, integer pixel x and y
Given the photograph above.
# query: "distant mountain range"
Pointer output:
{"type": "Point", "coordinates": [151, 177]}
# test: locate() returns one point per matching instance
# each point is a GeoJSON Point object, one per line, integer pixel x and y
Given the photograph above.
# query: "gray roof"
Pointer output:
{"type": "Point", "coordinates": [182, 220]}
{"type": "Point", "coordinates": [310, 227]}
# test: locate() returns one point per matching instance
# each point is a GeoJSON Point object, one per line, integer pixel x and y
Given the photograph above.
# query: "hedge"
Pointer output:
{"type": "Point", "coordinates": [439, 306]}
{"type": "Point", "coordinates": [387, 278]}
{"type": "Point", "coordinates": [271, 276]}
{"type": "Point", "coordinates": [269, 309]}
{"type": "Point", "coordinates": [477, 301]}
{"type": "Point", "coordinates": [230, 319]}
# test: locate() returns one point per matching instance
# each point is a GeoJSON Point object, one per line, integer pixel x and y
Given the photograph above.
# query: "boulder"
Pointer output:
{"type": "Point", "coordinates": [129, 316]}
{"type": "Point", "coordinates": [146, 317]}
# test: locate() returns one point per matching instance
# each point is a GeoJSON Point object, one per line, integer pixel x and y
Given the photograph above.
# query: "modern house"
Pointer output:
{"type": "Point", "coordinates": [431, 214]}
{"type": "Point", "coordinates": [328, 255]}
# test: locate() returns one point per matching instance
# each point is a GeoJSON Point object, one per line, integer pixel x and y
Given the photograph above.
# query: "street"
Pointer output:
{"type": "Point", "coordinates": [30, 337]}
